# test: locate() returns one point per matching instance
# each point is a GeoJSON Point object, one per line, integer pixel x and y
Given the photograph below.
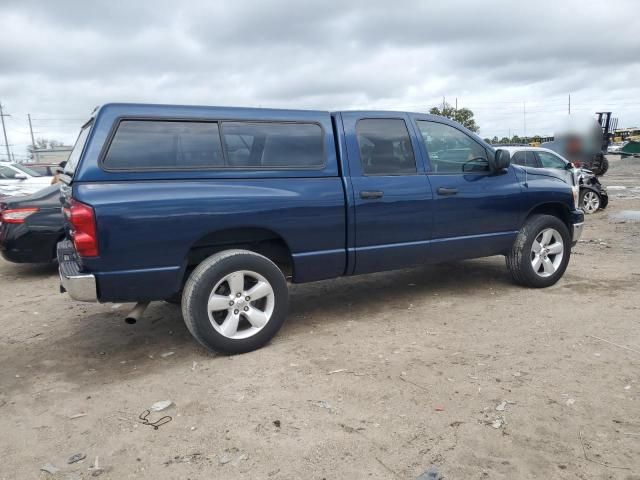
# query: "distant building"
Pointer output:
{"type": "Point", "coordinates": [52, 155]}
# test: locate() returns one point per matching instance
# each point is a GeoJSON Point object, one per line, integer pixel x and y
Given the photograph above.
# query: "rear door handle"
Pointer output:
{"type": "Point", "coordinates": [447, 191]}
{"type": "Point", "coordinates": [371, 194]}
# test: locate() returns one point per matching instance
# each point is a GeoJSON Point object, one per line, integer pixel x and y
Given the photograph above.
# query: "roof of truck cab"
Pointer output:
{"type": "Point", "coordinates": [157, 107]}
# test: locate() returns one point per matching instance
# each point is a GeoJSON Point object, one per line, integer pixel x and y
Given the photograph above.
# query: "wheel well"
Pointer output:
{"type": "Point", "coordinates": [555, 209]}
{"type": "Point", "coordinates": [258, 240]}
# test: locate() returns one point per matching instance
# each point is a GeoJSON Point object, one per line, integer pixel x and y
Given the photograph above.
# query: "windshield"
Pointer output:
{"type": "Point", "coordinates": [26, 170]}
{"type": "Point", "coordinates": [74, 158]}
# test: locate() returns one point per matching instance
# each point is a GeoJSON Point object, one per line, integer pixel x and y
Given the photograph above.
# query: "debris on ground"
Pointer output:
{"type": "Point", "coordinates": [144, 419]}
{"type": "Point", "coordinates": [161, 405]}
{"type": "Point", "coordinates": [50, 468]}
{"type": "Point", "coordinates": [322, 404]}
{"type": "Point", "coordinates": [76, 458]}
{"type": "Point", "coordinates": [167, 354]}
{"type": "Point", "coordinates": [242, 457]}
{"type": "Point", "coordinates": [570, 402]}
{"type": "Point", "coordinates": [77, 415]}
{"type": "Point", "coordinates": [276, 423]}
{"type": "Point", "coordinates": [498, 422]}
{"type": "Point", "coordinates": [500, 407]}
{"type": "Point", "coordinates": [431, 473]}
{"type": "Point", "coordinates": [96, 470]}
{"type": "Point", "coordinates": [190, 458]}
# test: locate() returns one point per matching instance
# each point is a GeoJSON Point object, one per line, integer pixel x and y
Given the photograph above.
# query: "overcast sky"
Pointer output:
{"type": "Point", "coordinates": [58, 60]}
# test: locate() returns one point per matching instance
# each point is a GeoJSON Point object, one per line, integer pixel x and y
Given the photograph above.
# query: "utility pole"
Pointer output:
{"type": "Point", "coordinates": [443, 105]}
{"type": "Point", "coordinates": [456, 104]}
{"type": "Point", "coordinates": [36, 157]}
{"type": "Point", "coordinates": [569, 104]}
{"type": "Point", "coordinates": [524, 120]}
{"type": "Point", "coordinates": [4, 130]}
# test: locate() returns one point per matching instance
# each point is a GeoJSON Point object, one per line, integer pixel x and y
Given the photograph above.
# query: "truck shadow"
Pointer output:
{"type": "Point", "coordinates": [100, 348]}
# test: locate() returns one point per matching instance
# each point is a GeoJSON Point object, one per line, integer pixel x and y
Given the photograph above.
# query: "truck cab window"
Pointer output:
{"type": "Point", "coordinates": [452, 151]}
{"type": "Point", "coordinates": [385, 147]}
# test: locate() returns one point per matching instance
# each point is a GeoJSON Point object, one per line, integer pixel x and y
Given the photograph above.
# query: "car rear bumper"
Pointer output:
{"type": "Point", "coordinates": [80, 286]}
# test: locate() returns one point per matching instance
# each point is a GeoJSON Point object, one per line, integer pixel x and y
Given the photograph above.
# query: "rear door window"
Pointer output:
{"type": "Point", "coordinates": [145, 144]}
{"type": "Point", "coordinates": [385, 147]}
{"type": "Point", "coordinates": [273, 145]}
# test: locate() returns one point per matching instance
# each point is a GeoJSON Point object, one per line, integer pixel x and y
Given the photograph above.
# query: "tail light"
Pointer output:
{"type": "Point", "coordinates": [84, 232]}
{"type": "Point", "coordinates": [16, 215]}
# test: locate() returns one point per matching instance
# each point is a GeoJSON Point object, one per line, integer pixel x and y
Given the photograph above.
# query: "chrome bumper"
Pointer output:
{"type": "Point", "coordinates": [79, 286]}
{"type": "Point", "coordinates": [577, 232]}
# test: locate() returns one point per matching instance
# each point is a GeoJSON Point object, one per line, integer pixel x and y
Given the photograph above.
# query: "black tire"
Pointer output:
{"type": "Point", "coordinates": [520, 256]}
{"type": "Point", "coordinates": [583, 193]}
{"type": "Point", "coordinates": [200, 285]}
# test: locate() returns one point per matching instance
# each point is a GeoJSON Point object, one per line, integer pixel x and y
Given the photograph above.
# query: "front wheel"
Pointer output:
{"type": "Point", "coordinates": [589, 201]}
{"type": "Point", "coordinates": [235, 301]}
{"type": "Point", "coordinates": [540, 254]}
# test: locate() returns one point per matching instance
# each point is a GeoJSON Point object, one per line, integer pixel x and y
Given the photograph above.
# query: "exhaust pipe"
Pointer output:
{"type": "Point", "coordinates": [136, 313]}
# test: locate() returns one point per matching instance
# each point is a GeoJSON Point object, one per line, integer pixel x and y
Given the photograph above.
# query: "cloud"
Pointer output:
{"type": "Point", "coordinates": [58, 60]}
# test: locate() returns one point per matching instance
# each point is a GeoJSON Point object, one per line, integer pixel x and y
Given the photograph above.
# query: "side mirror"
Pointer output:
{"type": "Point", "coordinates": [501, 160]}
{"type": "Point", "coordinates": [20, 176]}
{"type": "Point", "coordinates": [569, 166]}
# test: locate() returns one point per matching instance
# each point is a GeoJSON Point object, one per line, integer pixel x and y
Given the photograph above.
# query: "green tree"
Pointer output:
{"type": "Point", "coordinates": [505, 140]}
{"type": "Point", "coordinates": [463, 116]}
{"type": "Point", "coordinates": [494, 139]}
{"type": "Point", "coordinates": [516, 139]}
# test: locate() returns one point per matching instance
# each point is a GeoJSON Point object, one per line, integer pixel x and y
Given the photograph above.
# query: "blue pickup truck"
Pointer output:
{"type": "Point", "coordinates": [217, 208]}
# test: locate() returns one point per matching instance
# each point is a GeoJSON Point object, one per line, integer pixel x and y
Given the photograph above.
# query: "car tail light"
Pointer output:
{"type": "Point", "coordinates": [16, 215]}
{"type": "Point", "coordinates": [84, 233]}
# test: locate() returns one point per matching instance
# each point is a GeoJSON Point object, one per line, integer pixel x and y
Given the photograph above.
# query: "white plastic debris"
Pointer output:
{"type": "Point", "coordinates": [166, 354]}
{"type": "Point", "coordinates": [501, 406]}
{"type": "Point", "coordinates": [161, 405]}
{"type": "Point", "coordinates": [49, 468]}
{"type": "Point", "coordinates": [570, 402]}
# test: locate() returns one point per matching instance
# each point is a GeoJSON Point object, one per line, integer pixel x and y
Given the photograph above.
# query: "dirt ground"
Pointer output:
{"type": "Point", "coordinates": [378, 377]}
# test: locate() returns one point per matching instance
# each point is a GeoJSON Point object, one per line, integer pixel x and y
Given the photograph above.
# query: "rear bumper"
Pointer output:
{"type": "Point", "coordinates": [79, 286]}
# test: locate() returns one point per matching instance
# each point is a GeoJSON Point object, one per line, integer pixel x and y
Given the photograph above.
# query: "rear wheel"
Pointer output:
{"type": "Point", "coordinates": [235, 301]}
{"type": "Point", "coordinates": [540, 254]}
{"type": "Point", "coordinates": [590, 201]}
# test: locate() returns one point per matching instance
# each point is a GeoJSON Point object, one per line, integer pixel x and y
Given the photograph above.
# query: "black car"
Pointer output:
{"type": "Point", "coordinates": [31, 226]}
